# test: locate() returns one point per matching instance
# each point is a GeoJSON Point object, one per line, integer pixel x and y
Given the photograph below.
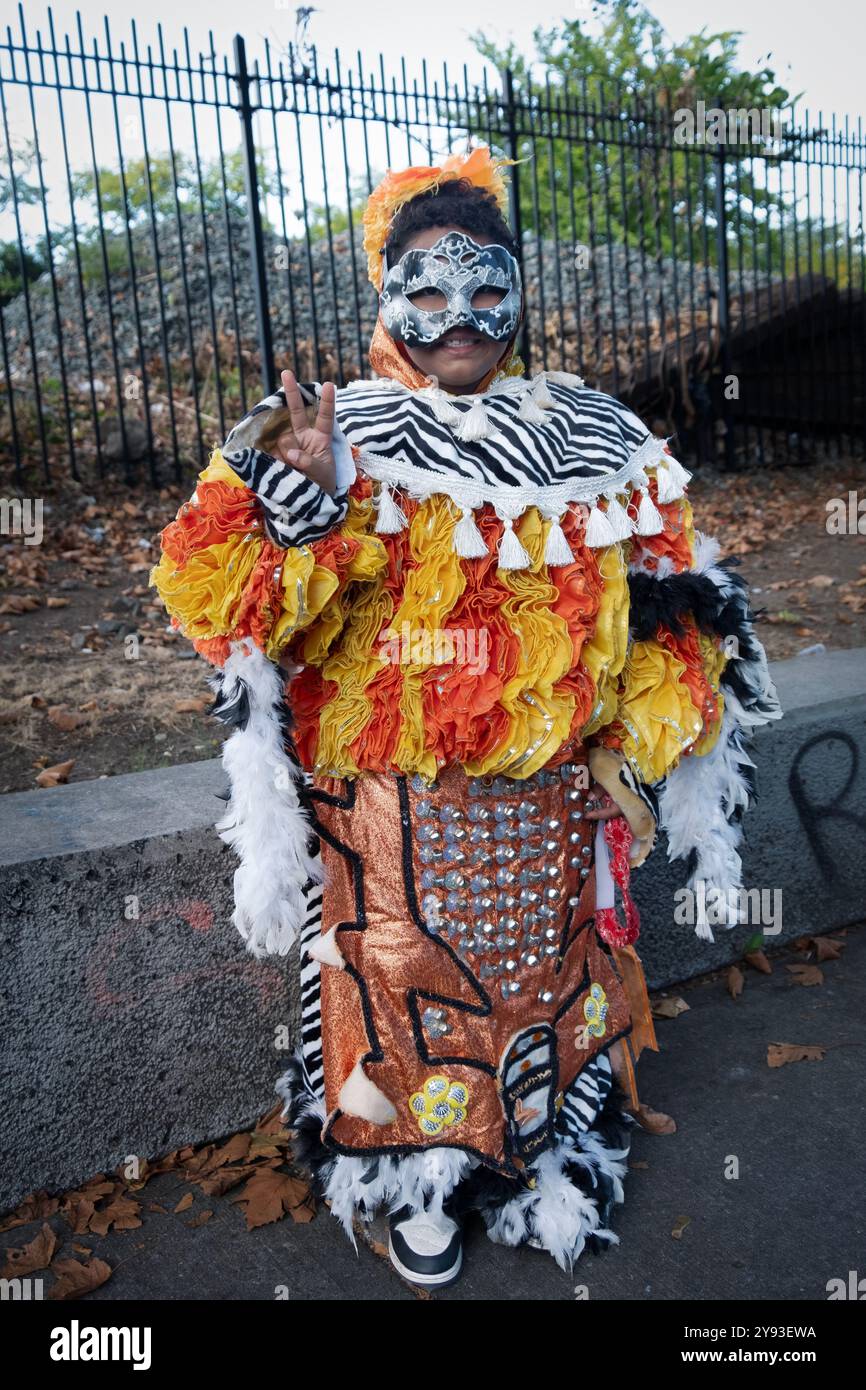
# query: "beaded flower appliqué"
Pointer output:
{"type": "Point", "coordinates": [439, 1103]}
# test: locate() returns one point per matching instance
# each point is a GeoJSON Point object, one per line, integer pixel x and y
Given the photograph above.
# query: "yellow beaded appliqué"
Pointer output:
{"type": "Point", "coordinates": [595, 1008]}
{"type": "Point", "coordinates": [439, 1103]}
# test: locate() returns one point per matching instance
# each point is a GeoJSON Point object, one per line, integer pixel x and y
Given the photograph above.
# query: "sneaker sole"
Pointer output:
{"type": "Point", "coordinates": [427, 1281]}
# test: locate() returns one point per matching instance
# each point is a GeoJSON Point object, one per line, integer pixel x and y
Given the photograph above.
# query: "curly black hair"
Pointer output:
{"type": "Point", "coordinates": [455, 203]}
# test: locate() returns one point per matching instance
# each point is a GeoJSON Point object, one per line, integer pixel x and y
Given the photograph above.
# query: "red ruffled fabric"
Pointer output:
{"type": "Point", "coordinates": [222, 511]}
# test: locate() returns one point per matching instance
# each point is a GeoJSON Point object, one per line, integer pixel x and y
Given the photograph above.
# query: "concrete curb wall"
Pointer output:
{"type": "Point", "coordinates": [134, 1021]}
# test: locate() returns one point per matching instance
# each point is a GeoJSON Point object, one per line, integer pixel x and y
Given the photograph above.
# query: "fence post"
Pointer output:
{"type": "Point", "coordinates": [254, 213]}
{"type": "Point", "coordinates": [514, 197]}
{"type": "Point", "coordinates": [724, 297]}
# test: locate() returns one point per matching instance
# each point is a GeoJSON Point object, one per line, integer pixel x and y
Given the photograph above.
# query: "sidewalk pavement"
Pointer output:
{"type": "Point", "coordinates": [793, 1219]}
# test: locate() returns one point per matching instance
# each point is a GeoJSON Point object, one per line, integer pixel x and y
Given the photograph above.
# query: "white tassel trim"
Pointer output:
{"type": "Point", "coordinates": [618, 518]}
{"type": "Point", "coordinates": [512, 555]}
{"type": "Point", "coordinates": [565, 379]}
{"type": "Point", "coordinates": [599, 531]}
{"type": "Point", "coordinates": [540, 394]}
{"type": "Point", "coordinates": [475, 423]}
{"type": "Point", "coordinates": [530, 411]}
{"type": "Point", "coordinates": [390, 516]}
{"type": "Point", "coordinates": [649, 519]}
{"type": "Point", "coordinates": [441, 405]}
{"type": "Point", "coordinates": [609, 520]}
{"type": "Point", "coordinates": [557, 550]}
{"type": "Point", "coordinates": [467, 539]}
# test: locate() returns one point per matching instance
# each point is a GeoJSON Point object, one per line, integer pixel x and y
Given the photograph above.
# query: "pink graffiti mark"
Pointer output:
{"type": "Point", "coordinates": [266, 979]}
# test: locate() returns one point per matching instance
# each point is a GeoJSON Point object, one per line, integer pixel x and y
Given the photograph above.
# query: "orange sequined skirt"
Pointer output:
{"type": "Point", "coordinates": [463, 986]}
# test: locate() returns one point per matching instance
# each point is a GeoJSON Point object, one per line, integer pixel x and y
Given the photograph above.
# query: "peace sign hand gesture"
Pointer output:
{"type": "Point", "coordinates": [308, 448]}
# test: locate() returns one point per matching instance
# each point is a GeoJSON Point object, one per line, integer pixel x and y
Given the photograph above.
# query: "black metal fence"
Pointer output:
{"type": "Point", "coordinates": [175, 225]}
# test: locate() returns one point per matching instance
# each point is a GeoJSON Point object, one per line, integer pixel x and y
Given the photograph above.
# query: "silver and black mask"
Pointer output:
{"type": "Point", "coordinates": [457, 267]}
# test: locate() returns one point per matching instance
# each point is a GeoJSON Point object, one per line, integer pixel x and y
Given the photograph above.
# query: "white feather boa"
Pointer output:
{"type": "Point", "coordinates": [703, 798]}
{"type": "Point", "coordinates": [265, 822]}
{"type": "Point", "coordinates": [556, 1215]}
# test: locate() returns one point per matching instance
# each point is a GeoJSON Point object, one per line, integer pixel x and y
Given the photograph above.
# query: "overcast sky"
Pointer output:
{"type": "Point", "coordinates": [817, 48]}
{"type": "Point", "coordinates": [814, 48]}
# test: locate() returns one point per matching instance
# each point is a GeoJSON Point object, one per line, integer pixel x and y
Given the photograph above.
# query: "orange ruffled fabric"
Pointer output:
{"type": "Point", "coordinates": [413, 658]}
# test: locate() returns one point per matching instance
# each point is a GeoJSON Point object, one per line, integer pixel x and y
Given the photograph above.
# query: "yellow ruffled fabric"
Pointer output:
{"type": "Point", "coordinates": [642, 702]}
{"type": "Point", "coordinates": [539, 720]}
{"type": "Point", "coordinates": [204, 595]}
{"type": "Point", "coordinates": [604, 654]}
{"type": "Point", "coordinates": [656, 710]}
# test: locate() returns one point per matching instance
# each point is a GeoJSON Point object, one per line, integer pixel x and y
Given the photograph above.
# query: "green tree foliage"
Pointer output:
{"type": "Point", "coordinates": [618, 87]}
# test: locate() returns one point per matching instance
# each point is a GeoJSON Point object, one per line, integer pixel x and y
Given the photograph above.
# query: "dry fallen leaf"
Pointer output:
{"type": "Point", "coordinates": [38, 1254]}
{"type": "Point", "coordinates": [53, 601]}
{"type": "Point", "coordinates": [758, 961]}
{"type": "Point", "coordinates": [826, 948]}
{"type": "Point", "coordinates": [76, 1279]}
{"type": "Point", "coordinates": [191, 706]}
{"type": "Point", "coordinates": [199, 1220]}
{"type": "Point", "coordinates": [735, 980]}
{"type": "Point", "coordinates": [34, 1208]}
{"type": "Point", "coordinates": [269, 1195]}
{"type": "Point", "coordinates": [806, 974]}
{"type": "Point", "coordinates": [778, 1054]}
{"type": "Point", "coordinates": [121, 1213]}
{"type": "Point", "coordinates": [77, 1210]}
{"type": "Point", "coordinates": [185, 1202]}
{"type": "Point", "coordinates": [268, 1145]}
{"type": "Point", "coordinates": [64, 718]}
{"type": "Point", "coordinates": [234, 1151]}
{"type": "Point", "coordinates": [679, 1226]}
{"type": "Point", "coordinates": [670, 1007]}
{"type": "Point", "coordinates": [224, 1179]}
{"type": "Point", "coordinates": [654, 1121]}
{"type": "Point", "coordinates": [20, 603]}
{"type": "Point", "coordinates": [53, 776]}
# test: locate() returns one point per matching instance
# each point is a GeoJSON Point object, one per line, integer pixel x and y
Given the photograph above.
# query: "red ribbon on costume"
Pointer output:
{"type": "Point", "coordinates": [618, 837]}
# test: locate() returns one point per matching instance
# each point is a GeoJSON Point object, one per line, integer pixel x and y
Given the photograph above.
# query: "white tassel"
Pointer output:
{"type": "Point", "coordinates": [512, 555]}
{"type": "Point", "coordinates": [391, 517]}
{"type": "Point", "coordinates": [565, 379]}
{"type": "Point", "coordinates": [530, 412]}
{"type": "Point", "coordinates": [557, 551]}
{"type": "Point", "coordinates": [618, 518]}
{"type": "Point", "coordinates": [599, 531]}
{"type": "Point", "coordinates": [467, 539]}
{"type": "Point", "coordinates": [540, 394]}
{"type": "Point", "coordinates": [649, 519]}
{"type": "Point", "coordinates": [667, 488]}
{"type": "Point", "coordinates": [681, 476]}
{"type": "Point", "coordinates": [474, 423]}
{"type": "Point", "coordinates": [444, 410]}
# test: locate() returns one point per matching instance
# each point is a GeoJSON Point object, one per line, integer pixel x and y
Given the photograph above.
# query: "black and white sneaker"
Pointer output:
{"type": "Point", "coordinates": [427, 1247]}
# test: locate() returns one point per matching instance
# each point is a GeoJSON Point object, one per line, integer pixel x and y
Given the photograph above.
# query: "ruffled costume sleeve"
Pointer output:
{"type": "Point", "coordinates": [254, 557]}
{"type": "Point", "coordinates": [692, 689]}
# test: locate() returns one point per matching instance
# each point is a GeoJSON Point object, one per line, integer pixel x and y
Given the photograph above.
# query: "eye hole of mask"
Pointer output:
{"type": "Point", "coordinates": [487, 296]}
{"type": "Point", "coordinates": [431, 300]}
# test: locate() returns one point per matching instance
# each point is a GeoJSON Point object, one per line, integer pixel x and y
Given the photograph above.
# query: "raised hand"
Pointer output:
{"type": "Point", "coordinates": [303, 446]}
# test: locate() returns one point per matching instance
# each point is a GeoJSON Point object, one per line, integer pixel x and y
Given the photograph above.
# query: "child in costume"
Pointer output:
{"type": "Point", "coordinates": [473, 650]}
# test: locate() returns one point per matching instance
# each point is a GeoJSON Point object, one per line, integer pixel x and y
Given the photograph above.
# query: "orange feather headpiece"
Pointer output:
{"type": "Point", "coordinates": [479, 166]}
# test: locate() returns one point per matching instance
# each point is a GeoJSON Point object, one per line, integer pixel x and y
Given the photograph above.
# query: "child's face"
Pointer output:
{"type": "Point", "coordinates": [462, 356]}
